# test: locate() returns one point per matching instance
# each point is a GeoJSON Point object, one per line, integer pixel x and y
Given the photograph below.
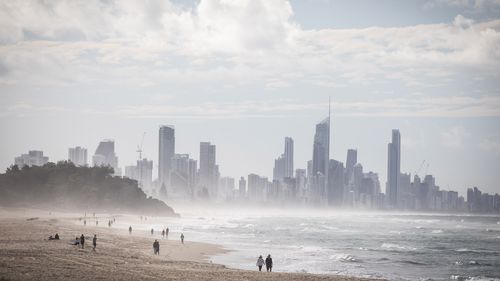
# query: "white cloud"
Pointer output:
{"type": "Point", "coordinates": [454, 137]}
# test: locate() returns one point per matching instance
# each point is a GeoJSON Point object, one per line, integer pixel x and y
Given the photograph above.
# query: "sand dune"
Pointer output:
{"type": "Point", "coordinates": [25, 254]}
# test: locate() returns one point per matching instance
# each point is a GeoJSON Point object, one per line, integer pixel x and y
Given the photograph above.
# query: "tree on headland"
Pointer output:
{"type": "Point", "coordinates": [66, 186]}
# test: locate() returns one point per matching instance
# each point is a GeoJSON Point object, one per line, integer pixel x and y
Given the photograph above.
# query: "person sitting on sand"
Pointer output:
{"type": "Point", "coordinates": [82, 241]}
{"type": "Point", "coordinates": [56, 237]}
{"type": "Point", "coordinates": [75, 242]}
{"type": "Point", "coordinates": [260, 263]}
{"type": "Point", "coordinates": [94, 241]}
{"type": "Point", "coordinates": [182, 238]}
{"type": "Point", "coordinates": [156, 247]}
{"type": "Point", "coordinates": [269, 263]}
{"type": "Point", "coordinates": [130, 230]}
{"type": "Point", "coordinates": [51, 238]}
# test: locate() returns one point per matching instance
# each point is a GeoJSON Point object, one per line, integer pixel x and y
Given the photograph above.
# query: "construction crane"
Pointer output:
{"type": "Point", "coordinates": [420, 168]}
{"type": "Point", "coordinates": [139, 147]}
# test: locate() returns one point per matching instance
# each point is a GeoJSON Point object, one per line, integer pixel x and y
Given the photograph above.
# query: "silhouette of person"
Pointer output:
{"type": "Point", "coordinates": [163, 233]}
{"type": "Point", "coordinates": [182, 238]}
{"type": "Point", "coordinates": [166, 232]}
{"type": "Point", "coordinates": [269, 263]}
{"type": "Point", "coordinates": [94, 241]}
{"type": "Point", "coordinates": [56, 237]}
{"type": "Point", "coordinates": [152, 231]}
{"type": "Point", "coordinates": [260, 263]}
{"type": "Point", "coordinates": [130, 230]}
{"type": "Point", "coordinates": [82, 241]}
{"type": "Point", "coordinates": [156, 247]}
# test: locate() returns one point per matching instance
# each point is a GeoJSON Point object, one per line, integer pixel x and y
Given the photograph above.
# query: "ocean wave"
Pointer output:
{"type": "Point", "coordinates": [412, 262]}
{"type": "Point", "coordinates": [473, 278]}
{"type": "Point", "coordinates": [437, 231]}
{"type": "Point", "coordinates": [344, 258]}
{"type": "Point", "coordinates": [396, 247]}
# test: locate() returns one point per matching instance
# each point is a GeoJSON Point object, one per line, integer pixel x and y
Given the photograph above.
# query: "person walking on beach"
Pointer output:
{"type": "Point", "coordinates": [260, 263]}
{"type": "Point", "coordinates": [82, 241]}
{"type": "Point", "coordinates": [163, 233]}
{"type": "Point", "coordinates": [156, 247]}
{"type": "Point", "coordinates": [130, 230]}
{"type": "Point", "coordinates": [94, 241]}
{"type": "Point", "coordinates": [269, 263]}
{"type": "Point", "coordinates": [84, 222]}
{"type": "Point", "coordinates": [182, 238]}
{"type": "Point", "coordinates": [166, 232]}
{"type": "Point", "coordinates": [152, 231]}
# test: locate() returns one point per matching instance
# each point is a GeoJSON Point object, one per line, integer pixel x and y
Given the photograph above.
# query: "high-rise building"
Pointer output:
{"type": "Point", "coordinates": [283, 165]}
{"type": "Point", "coordinates": [209, 171]}
{"type": "Point", "coordinates": [288, 155]}
{"type": "Point", "coordinates": [183, 175]}
{"type": "Point", "coordinates": [335, 183]}
{"type": "Point", "coordinates": [166, 152]}
{"type": "Point", "coordinates": [77, 155]}
{"type": "Point", "coordinates": [105, 156]}
{"type": "Point", "coordinates": [142, 173]}
{"type": "Point", "coordinates": [242, 187]}
{"type": "Point", "coordinates": [33, 158]}
{"type": "Point", "coordinates": [352, 159]}
{"type": "Point", "coordinates": [321, 157]}
{"type": "Point", "coordinates": [393, 168]}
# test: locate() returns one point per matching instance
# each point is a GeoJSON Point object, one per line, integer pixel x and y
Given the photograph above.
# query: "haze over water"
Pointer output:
{"type": "Point", "coordinates": [402, 246]}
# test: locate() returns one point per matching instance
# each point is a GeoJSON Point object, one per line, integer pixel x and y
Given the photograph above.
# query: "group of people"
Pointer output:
{"type": "Point", "coordinates": [55, 237]}
{"type": "Point", "coordinates": [81, 241]}
{"type": "Point", "coordinates": [268, 262]}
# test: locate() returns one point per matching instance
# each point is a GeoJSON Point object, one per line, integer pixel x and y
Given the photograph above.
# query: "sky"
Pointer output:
{"type": "Point", "coordinates": [245, 74]}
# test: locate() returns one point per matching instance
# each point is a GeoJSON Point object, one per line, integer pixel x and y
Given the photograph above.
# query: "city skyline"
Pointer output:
{"type": "Point", "coordinates": [427, 68]}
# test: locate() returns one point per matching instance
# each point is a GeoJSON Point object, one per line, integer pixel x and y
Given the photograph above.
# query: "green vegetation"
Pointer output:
{"type": "Point", "coordinates": [67, 187]}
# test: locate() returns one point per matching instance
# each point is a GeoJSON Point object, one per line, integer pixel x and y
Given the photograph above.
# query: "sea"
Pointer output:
{"type": "Point", "coordinates": [394, 246]}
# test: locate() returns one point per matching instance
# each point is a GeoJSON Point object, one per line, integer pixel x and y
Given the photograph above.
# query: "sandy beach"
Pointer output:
{"type": "Point", "coordinates": [26, 254]}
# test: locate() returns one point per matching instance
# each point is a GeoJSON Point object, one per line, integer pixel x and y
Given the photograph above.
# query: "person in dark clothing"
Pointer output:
{"type": "Point", "coordinates": [152, 231]}
{"type": "Point", "coordinates": [163, 233]}
{"type": "Point", "coordinates": [156, 247]}
{"type": "Point", "coordinates": [82, 241]}
{"type": "Point", "coordinates": [182, 238]}
{"type": "Point", "coordinates": [269, 263]}
{"type": "Point", "coordinates": [166, 232]}
{"type": "Point", "coordinates": [94, 241]}
{"type": "Point", "coordinates": [130, 230]}
{"type": "Point", "coordinates": [56, 237]}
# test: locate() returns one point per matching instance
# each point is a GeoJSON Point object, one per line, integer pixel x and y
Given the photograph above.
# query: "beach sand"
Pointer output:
{"type": "Point", "coordinates": [26, 254]}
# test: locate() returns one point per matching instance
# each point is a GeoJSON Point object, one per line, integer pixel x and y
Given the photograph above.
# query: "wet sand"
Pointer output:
{"type": "Point", "coordinates": [26, 254]}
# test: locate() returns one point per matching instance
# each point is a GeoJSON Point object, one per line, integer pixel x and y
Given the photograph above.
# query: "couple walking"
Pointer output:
{"type": "Point", "coordinates": [268, 262]}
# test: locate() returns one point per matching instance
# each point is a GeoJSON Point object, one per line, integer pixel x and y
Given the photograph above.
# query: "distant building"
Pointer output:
{"type": "Point", "coordinates": [393, 168]}
{"type": "Point", "coordinates": [242, 187]}
{"type": "Point", "coordinates": [283, 165]}
{"type": "Point", "coordinates": [352, 159]}
{"type": "Point", "coordinates": [142, 173]}
{"type": "Point", "coordinates": [321, 158]}
{"type": "Point", "coordinates": [183, 175]}
{"type": "Point", "coordinates": [78, 156]}
{"type": "Point", "coordinates": [166, 151]}
{"type": "Point", "coordinates": [336, 177]}
{"type": "Point", "coordinates": [105, 156]}
{"type": "Point", "coordinates": [33, 158]}
{"type": "Point", "coordinates": [257, 187]}
{"type": "Point", "coordinates": [226, 188]}
{"type": "Point", "coordinates": [209, 171]}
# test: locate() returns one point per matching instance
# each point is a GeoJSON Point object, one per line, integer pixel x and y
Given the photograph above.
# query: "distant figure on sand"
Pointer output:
{"type": "Point", "coordinates": [82, 241]}
{"type": "Point", "coordinates": [269, 263]}
{"type": "Point", "coordinates": [163, 233]}
{"type": "Point", "coordinates": [84, 222]}
{"type": "Point", "coordinates": [94, 241]}
{"type": "Point", "coordinates": [182, 238]}
{"type": "Point", "coordinates": [260, 263]}
{"type": "Point", "coordinates": [166, 232]}
{"type": "Point", "coordinates": [152, 231]}
{"type": "Point", "coordinates": [130, 230]}
{"type": "Point", "coordinates": [56, 237]}
{"type": "Point", "coordinates": [156, 247]}
{"type": "Point", "coordinates": [96, 222]}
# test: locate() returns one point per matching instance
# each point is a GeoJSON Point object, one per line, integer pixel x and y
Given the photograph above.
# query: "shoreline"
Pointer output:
{"type": "Point", "coordinates": [26, 254]}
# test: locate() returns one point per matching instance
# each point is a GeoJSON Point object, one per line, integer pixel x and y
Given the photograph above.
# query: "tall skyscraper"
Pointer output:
{"type": "Point", "coordinates": [77, 155]}
{"type": "Point", "coordinates": [321, 157]}
{"type": "Point", "coordinates": [288, 155]}
{"type": "Point", "coordinates": [105, 156]}
{"type": "Point", "coordinates": [166, 152]}
{"type": "Point", "coordinates": [393, 168]}
{"type": "Point", "coordinates": [33, 158]}
{"type": "Point", "coordinates": [209, 172]}
{"type": "Point", "coordinates": [283, 165]}
{"type": "Point", "coordinates": [242, 187]}
{"type": "Point", "coordinates": [142, 172]}
{"type": "Point", "coordinates": [183, 175]}
{"type": "Point", "coordinates": [352, 159]}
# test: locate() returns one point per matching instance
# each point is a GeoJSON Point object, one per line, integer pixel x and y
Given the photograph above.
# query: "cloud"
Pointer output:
{"type": "Point", "coordinates": [454, 137]}
{"type": "Point", "coordinates": [491, 144]}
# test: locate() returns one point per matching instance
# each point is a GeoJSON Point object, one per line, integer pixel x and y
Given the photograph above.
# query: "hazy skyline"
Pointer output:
{"type": "Point", "coordinates": [245, 74]}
